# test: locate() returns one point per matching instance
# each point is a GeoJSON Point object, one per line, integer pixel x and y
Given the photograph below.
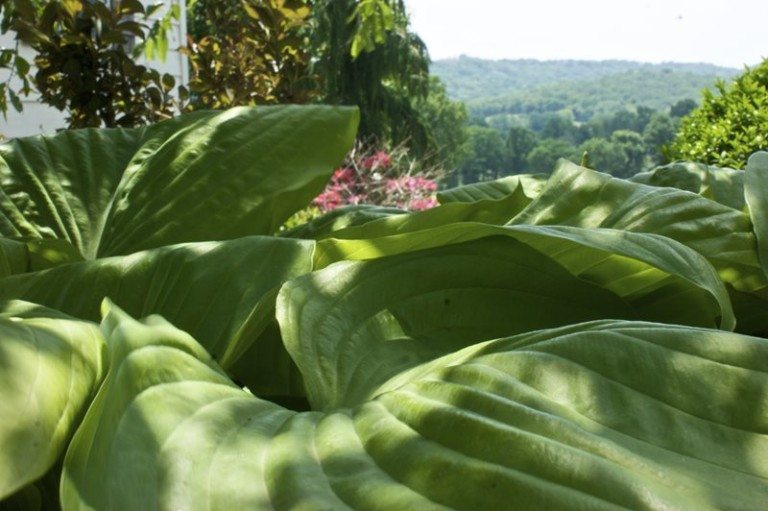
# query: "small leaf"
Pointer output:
{"type": "Point", "coordinates": [130, 7]}
{"type": "Point", "coordinates": [168, 82]}
{"type": "Point", "coordinates": [15, 101]}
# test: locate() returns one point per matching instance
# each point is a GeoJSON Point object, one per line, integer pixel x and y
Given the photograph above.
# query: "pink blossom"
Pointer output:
{"type": "Point", "coordinates": [378, 178]}
{"type": "Point", "coordinates": [328, 200]}
{"type": "Point", "coordinates": [344, 175]}
{"type": "Point", "coordinates": [392, 185]}
{"type": "Point", "coordinates": [422, 203]}
{"type": "Point", "coordinates": [356, 199]}
{"type": "Point", "coordinates": [379, 159]}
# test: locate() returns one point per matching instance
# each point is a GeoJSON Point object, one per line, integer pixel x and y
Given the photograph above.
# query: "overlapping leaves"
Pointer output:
{"type": "Point", "coordinates": [531, 422]}
{"type": "Point", "coordinates": [525, 345]}
{"type": "Point", "coordinates": [200, 177]}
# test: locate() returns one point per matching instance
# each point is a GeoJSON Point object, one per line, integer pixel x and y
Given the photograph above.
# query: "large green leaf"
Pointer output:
{"type": "Point", "coordinates": [50, 368]}
{"type": "Point", "coordinates": [507, 281]}
{"type": "Point", "coordinates": [340, 218]}
{"type": "Point", "coordinates": [756, 194]}
{"type": "Point", "coordinates": [220, 292]}
{"type": "Point", "coordinates": [585, 198]}
{"type": "Point", "coordinates": [14, 257]}
{"type": "Point", "coordinates": [722, 185]}
{"type": "Point", "coordinates": [206, 176]}
{"type": "Point", "coordinates": [600, 416]}
{"type": "Point", "coordinates": [23, 256]}
{"type": "Point", "coordinates": [487, 211]}
{"type": "Point", "coordinates": [529, 185]}
{"type": "Point", "coordinates": [62, 186]}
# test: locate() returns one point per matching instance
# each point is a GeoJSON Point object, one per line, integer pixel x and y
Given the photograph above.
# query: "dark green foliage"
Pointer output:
{"type": "Point", "coordinates": [383, 77]}
{"type": "Point", "coordinates": [486, 156]}
{"type": "Point", "coordinates": [83, 61]}
{"type": "Point", "coordinates": [658, 133]}
{"type": "Point", "coordinates": [520, 142]}
{"type": "Point", "coordinates": [682, 108]}
{"type": "Point", "coordinates": [547, 152]}
{"type": "Point", "coordinates": [730, 124]}
{"type": "Point", "coordinates": [249, 53]}
{"type": "Point", "coordinates": [569, 103]}
{"type": "Point", "coordinates": [473, 79]}
{"type": "Point", "coordinates": [445, 121]}
{"type": "Point", "coordinates": [604, 155]}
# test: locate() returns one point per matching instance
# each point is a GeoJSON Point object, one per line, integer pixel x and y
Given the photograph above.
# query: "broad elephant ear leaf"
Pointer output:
{"type": "Point", "coordinates": [723, 185]}
{"type": "Point", "coordinates": [205, 176]}
{"type": "Point", "coordinates": [478, 282]}
{"type": "Point", "coordinates": [221, 292]}
{"type": "Point", "coordinates": [530, 185]}
{"type": "Point", "coordinates": [346, 216]}
{"type": "Point", "coordinates": [585, 198]}
{"type": "Point", "coordinates": [61, 186]}
{"type": "Point", "coordinates": [50, 368]}
{"type": "Point", "coordinates": [756, 196]}
{"type": "Point", "coordinates": [486, 211]}
{"type": "Point", "coordinates": [14, 257]}
{"type": "Point", "coordinates": [606, 415]}
{"type": "Point", "coordinates": [23, 256]}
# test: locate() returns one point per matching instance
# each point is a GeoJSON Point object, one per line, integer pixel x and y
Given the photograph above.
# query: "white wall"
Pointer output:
{"type": "Point", "coordinates": [39, 118]}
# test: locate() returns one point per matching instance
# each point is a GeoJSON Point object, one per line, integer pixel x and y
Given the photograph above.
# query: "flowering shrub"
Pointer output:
{"type": "Point", "coordinates": [381, 178]}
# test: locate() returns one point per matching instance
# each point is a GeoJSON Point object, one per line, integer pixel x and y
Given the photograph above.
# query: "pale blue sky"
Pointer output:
{"type": "Point", "coordinates": [730, 33]}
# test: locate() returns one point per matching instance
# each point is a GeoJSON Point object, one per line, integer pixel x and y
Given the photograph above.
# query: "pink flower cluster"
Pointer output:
{"type": "Point", "coordinates": [412, 192]}
{"type": "Point", "coordinates": [373, 179]}
{"type": "Point", "coordinates": [411, 184]}
{"type": "Point", "coordinates": [378, 160]}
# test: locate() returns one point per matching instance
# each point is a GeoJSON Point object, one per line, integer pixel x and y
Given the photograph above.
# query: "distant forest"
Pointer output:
{"type": "Point", "coordinates": [469, 78]}
{"type": "Point", "coordinates": [524, 114]}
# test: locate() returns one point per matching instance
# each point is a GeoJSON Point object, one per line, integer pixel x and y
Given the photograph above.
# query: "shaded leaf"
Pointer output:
{"type": "Point", "coordinates": [50, 368]}
{"type": "Point", "coordinates": [604, 416]}
{"type": "Point", "coordinates": [446, 288]}
{"type": "Point", "coordinates": [220, 292]}
{"type": "Point", "coordinates": [208, 175]}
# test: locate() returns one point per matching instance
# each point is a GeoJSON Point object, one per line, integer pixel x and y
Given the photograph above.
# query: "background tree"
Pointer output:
{"type": "Point", "coordinates": [632, 146]}
{"type": "Point", "coordinates": [366, 56]}
{"type": "Point", "coordinates": [657, 135]}
{"type": "Point", "coordinates": [604, 155]}
{"type": "Point", "coordinates": [520, 141]}
{"type": "Point", "coordinates": [545, 155]}
{"type": "Point", "coordinates": [486, 156]}
{"type": "Point", "coordinates": [83, 61]}
{"type": "Point", "coordinates": [729, 125]}
{"type": "Point", "coordinates": [682, 108]}
{"type": "Point", "coordinates": [446, 122]}
{"type": "Point", "coordinates": [249, 52]}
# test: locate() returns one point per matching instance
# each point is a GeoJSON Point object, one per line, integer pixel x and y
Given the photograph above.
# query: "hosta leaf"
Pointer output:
{"type": "Point", "coordinates": [585, 198]}
{"type": "Point", "coordinates": [756, 194]}
{"type": "Point", "coordinates": [581, 197]}
{"type": "Point", "coordinates": [603, 416]}
{"type": "Point", "coordinates": [62, 186]}
{"type": "Point", "coordinates": [529, 185]}
{"type": "Point", "coordinates": [723, 185]}
{"type": "Point", "coordinates": [244, 171]}
{"type": "Point", "coordinates": [506, 281]}
{"type": "Point", "coordinates": [14, 257]}
{"type": "Point", "coordinates": [221, 292]}
{"type": "Point", "coordinates": [50, 368]}
{"type": "Point", "coordinates": [488, 211]}
{"type": "Point", "coordinates": [205, 176]}
{"type": "Point", "coordinates": [22, 256]}
{"type": "Point", "coordinates": [338, 219]}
